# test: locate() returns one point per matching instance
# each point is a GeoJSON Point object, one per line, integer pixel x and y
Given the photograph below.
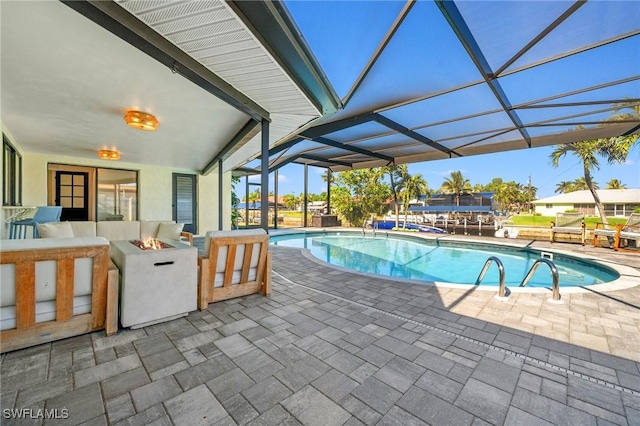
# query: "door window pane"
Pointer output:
{"type": "Point", "coordinates": [117, 194]}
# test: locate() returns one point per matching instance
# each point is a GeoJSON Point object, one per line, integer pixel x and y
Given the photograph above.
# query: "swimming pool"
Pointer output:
{"type": "Point", "coordinates": [444, 262]}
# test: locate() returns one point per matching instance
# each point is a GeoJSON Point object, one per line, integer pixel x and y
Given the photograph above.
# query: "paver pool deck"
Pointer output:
{"type": "Point", "coordinates": [331, 347]}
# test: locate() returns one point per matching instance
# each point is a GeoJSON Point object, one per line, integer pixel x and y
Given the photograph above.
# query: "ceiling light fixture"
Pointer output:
{"type": "Point", "coordinates": [141, 120]}
{"type": "Point", "coordinates": [105, 154]}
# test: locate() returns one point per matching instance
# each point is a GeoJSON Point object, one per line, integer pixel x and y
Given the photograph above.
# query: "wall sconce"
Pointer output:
{"type": "Point", "coordinates": [141, 120]}
{"type": "Point", "coordinates": [105, 154]}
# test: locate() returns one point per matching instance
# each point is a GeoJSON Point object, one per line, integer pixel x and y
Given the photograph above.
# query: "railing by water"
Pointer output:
{"type": "Point", "coordinates": [503, 291]}
{"type": "Point", "coordinates": [554, 274]}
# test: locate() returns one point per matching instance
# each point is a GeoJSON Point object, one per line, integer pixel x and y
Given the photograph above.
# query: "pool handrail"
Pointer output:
{"type": "Point", "coordinates": [502, 290]}
{"type": "Point", "coordinates": [554, 274]}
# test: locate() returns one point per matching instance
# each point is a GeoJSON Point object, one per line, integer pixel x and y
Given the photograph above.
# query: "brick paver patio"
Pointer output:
{"type": "Point", "coordinates": [335, 348]}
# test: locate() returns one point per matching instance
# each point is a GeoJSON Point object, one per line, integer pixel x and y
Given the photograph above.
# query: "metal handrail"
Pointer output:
{"type": "Point", "coordinates": [554, 274]}
{"type": "Point", "coordinates": [374, 227]}
{"type": "Point", "coordinates": [502, 290]}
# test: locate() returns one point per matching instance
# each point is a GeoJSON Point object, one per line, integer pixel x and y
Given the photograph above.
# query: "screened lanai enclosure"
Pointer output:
{"type": "Point", "coordinates": [427, 80]}
{"type": "Point", "coordinates": [335, 84]}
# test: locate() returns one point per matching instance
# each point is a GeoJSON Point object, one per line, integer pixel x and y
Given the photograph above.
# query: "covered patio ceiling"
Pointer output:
{"type": "Point", "coordinates": [70, 70]}
{"type": "Point", "coordinates": [427, 80]}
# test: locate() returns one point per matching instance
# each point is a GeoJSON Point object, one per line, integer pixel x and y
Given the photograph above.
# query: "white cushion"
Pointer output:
{"type": "Point", "coordinates": [83, 228]}
{"type": "Point", "coordinates": [55, 230]}
{"type": "Point", "coordinates": [45, 311]}
{"type": "Point", "coordinates": [117, 231]}
{"type": "Point", "coordinates": [170, 230]}
{"type": "Point", "coordinates": [46, 270]}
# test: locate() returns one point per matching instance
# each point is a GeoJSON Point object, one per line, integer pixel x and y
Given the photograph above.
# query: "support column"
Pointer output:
{"type": "Point", "coordinates": [264, 177]}
{"type": "Point", "coordinates": [306, 195]}
{"type": "Point", "coordinates": [246, 201]}
{"type": "Point", "coordinates": [220, 192]}
{"type": "Point", "coordinates": [329, 179]}
{"type": "Point", "coordinates": [275, 202]}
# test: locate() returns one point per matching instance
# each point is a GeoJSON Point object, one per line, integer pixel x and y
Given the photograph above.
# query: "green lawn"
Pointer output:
{"type": "Point", "coordinates": [526, 220]}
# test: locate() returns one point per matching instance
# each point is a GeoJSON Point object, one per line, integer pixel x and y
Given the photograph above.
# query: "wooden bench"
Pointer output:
{"type": "Point", "coordinates": [56, 288]}
{"type": "Point", "coordinates": [568, 223]}
{"type": "Point", "coordinates": [234, 264]}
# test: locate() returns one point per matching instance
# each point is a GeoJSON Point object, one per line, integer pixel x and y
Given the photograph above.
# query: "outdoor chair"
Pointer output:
{"type": "Point", "coordinates": [627, 233]}
{"type": "Point", "coordinates": [44, 214]}
{"type": "Point", "coordinates": [620, 236]}
{"type": "Point", "coordinates": [568, 223]}
{"type": "Point", "coordinates": [234, 264]}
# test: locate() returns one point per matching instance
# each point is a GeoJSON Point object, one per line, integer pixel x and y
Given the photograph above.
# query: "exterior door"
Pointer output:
{"type": "Point", "coordinates": [72, 193]}
{"type": "Point", "coordinates": [184, 201]}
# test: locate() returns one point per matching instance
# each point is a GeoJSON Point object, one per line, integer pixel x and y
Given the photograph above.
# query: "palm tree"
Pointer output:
{"type": "Point", "coordinates": [413, 187]}
{"type": "Point", "coordinates": [327, 176]}
{"type": "Point", "coordinates": [614, 150]}
{"type": "Point", "coordinates": [564, 187]}
{"type": "Point", "coordinates": [580, 184]}
{"type": "Point", "coordinates": [616, 184]}
{"type": "Point", "coordinates": [290, 201]}
{"type": "Point", "coordinates": [397, 175]}
{"type": "Point", "coordinates": [456, 185]}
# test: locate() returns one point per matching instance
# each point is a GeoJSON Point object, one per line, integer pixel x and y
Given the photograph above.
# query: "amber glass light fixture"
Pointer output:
{"type": "Point", "coordinates": [105, 154]}
{"type": "Point", "coordinates": [141, 120]}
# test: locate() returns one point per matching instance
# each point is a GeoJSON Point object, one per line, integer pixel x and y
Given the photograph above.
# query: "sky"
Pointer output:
{"type": "Point", "coordinates": [344, 50]}
{"type": "Point", "coordinates": [515, 165]}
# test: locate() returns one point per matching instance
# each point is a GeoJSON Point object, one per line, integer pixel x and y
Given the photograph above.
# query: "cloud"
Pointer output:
{"type": "Point", "coordinates": [283, 178]}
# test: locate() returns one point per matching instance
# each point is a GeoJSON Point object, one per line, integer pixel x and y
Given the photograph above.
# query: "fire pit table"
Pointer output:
{"type": "Point", "coordinates": [156, 283]}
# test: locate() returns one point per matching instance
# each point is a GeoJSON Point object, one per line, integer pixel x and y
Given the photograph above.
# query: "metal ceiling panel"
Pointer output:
{"type": "Point", "coordinates": [469, 75]}
{"type": "Point", "coordinates": [212, 33]}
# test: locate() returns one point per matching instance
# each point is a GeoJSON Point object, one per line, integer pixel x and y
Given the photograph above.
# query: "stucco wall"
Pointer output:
{"type": "Point", "coordinates": [154, 189]}
{"type": "Point", "coordinates": [556, 208]}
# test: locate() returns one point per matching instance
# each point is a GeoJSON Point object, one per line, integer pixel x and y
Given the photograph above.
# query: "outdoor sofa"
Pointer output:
{"type": "Point", "coordinates": [55, 288]}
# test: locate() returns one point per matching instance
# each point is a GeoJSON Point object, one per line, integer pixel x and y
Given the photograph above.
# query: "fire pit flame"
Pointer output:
{"type": "Point", "coordinates": [150, 244]}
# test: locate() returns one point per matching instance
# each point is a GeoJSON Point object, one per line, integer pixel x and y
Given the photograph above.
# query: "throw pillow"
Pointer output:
{"type": "Point", "coordinates": [170, 231]}
{"type": "Point", "coordinates": [55, 230]}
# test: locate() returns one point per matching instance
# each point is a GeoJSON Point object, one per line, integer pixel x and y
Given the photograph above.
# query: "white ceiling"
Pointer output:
{"type": "Point", "coordinates": [66, 83]}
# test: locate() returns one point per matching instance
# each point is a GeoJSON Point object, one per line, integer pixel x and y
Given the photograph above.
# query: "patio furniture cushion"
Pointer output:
{"type": "Point", "coordinates": [116, 231]}
{"type": "Point", "coordinates": [170, 231]}
{"type": "Point", "coordinates": [55, 230]}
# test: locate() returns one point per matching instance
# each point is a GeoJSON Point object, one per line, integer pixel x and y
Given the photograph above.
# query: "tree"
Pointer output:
{"type": "Point", "coordinates": [290, 201]}
{"type": "Point", "coordinates": [413, 186]}
{"type": "Point", "coordinates": [565, 187]}
{"type": "Point", "coordinates": [580, 184]}
{"type": "Point", "coordinates": [397, 175]}
{"type": "Point", "coordinates": [616, 184]}
{"type": "Point", "coordinates": [327, 176]}
{"type": "Point", "coordinates": [614, 150]}
{"type": "Point", "coordinates": [359, 194]}
{"type": "Point", "coordinates": [235, 200]}
{"type": "Point", "coordinates": [253, 197]}
{"type": "Point", "coordinates": [456, 185]}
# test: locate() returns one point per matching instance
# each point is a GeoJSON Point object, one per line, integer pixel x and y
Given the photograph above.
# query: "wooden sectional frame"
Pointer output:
{"type": "Point", "coordinates": [104, 296]}
{"type": "Point", "coordinates": [207, 293]}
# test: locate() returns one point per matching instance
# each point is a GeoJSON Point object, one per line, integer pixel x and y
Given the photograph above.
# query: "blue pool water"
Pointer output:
{"type": "Point", "coordinates": [430, 260]}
